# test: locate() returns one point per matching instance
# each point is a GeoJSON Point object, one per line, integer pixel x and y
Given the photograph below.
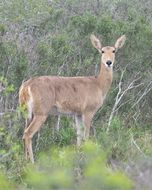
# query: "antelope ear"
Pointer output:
{"type": "Point", "coordinates": [96, 42]}
{"type": "Point", "coordinates": [120, 42]}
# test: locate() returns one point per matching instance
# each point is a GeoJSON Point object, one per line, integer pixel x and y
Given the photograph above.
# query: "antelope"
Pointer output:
{"type": "Point", "coordinates": [81, 96]}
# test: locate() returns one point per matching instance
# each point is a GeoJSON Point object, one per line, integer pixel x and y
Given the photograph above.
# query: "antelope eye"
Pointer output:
{"type": "Point", "coordinates": [102, 51]}
{"type": "Point", "coordinates": [114, 51]}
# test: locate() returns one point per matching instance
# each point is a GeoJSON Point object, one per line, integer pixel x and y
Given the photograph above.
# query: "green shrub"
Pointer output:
{"type": "Point", "coordinates": [66, 168]}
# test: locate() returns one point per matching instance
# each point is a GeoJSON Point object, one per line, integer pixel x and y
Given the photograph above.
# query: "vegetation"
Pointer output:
{"type": "Point", "coordinates": [43, 37]}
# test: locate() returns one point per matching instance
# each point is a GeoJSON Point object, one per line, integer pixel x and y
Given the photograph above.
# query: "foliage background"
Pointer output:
{"type": "Point", "coordinates": [51, 37]}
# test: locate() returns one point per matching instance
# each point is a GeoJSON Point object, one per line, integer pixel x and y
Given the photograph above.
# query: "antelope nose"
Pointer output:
{"type": "Point", "coordinates": [109, 63]}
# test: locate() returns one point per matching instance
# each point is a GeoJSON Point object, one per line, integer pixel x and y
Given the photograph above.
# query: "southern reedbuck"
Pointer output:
{"type": "Point", "coordinates": [81, 96]}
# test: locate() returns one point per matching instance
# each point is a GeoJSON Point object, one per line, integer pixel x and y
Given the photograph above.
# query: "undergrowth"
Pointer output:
{"type": "Point", "coordinates": [105, 162]}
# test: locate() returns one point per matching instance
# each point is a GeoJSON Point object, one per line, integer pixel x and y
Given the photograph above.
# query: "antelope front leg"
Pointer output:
{"type": "Point", "coordinates": [87, 123]}
{"type": "Point", "coordinates": [79, 128]}
{"type": "Point", "coordinates": [56, 128]}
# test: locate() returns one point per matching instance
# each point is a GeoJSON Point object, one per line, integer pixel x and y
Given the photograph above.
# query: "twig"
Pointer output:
{"type": "Point", "coordinates": [138, 148]}
{"type": "Point", "coordinates": [147, 90]}
{"type": "Point", "coordinates": [117, 99]}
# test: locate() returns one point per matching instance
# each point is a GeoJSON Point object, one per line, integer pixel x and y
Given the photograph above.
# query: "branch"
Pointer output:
{"type": "Point", "coordinates": [120, 95]}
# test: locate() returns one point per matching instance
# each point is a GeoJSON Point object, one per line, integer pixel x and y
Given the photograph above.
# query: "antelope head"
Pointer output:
{"type": "Point", "coordinates": [107, 52]}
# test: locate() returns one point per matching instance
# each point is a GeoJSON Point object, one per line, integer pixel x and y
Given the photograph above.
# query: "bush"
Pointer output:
{"type": "Point", "coordinates": [52, 38]}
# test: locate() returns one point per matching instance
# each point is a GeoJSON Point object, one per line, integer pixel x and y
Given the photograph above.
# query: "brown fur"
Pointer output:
{"type": "Point", "coordinates": [81, 96]}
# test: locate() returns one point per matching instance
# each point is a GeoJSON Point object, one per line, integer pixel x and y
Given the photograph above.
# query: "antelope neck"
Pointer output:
{"type": "Point", "coordinates": [105, 78]}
